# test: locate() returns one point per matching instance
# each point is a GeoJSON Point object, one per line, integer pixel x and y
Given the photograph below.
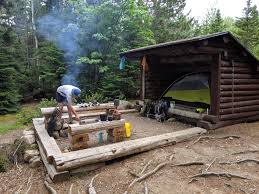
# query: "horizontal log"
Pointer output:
{"type": "Point", "coordinates": [237, 70]}
{"type": "Point", "coordinates": [238, 115]}
{"type": "Point", "coordinates": [238, 99]}
{"type": "Point", "coordinates": [225, 63]}
{"type": "Point", "coordinates": [220, 124]}
{"type": "Point", "coordinates": [211, 118]}
{"type": "Point", "coordinates": [241, 64]}
{"type": "Point", "coordinates": [239, 87]}
{"type": "Point", "coordinates": [239, 104]}
{"type": "Point", "coordinates": [50, 146]}
{"type": "Point", "coordinates": [239, 81]}
{"type": "Point", "coordinates": [52, 172]}
{"type": "Point", "coordinates": [238, 93]}
{"type": "Point", "coordinates": [47, 111]}
{"type": "Point", "coordinates": [239, 109]}
{"type": "Point", "coordinates": [186, 59]}
{"type": "Point", "coordinates": [235, 64]}
{"type": "Point", "coordinates": [80, 158]}
{"type": "Point", "coordinates": [184, 113]}
{"type": "Point", "coordinates": [75, 129]}
{"type": "Point", "coordinates": [239, 76]}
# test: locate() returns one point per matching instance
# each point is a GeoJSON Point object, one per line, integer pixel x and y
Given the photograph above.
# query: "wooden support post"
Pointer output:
{"type": "Point", "coordinates": [143, 84]}
{"type": "Point", "coordinates": [215, 86]}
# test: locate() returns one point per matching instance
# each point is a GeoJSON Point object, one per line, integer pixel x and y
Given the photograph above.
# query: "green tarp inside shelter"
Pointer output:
{"type": "Point", "coordinates": [192, 88]}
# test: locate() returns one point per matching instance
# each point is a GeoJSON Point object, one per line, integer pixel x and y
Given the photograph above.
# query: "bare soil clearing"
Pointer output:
{"type": "Point", "coordinates": [115, 177]}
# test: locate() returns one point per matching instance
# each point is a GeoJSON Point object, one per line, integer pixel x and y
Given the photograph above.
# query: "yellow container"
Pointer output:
{"type": "Point", "coordinates": [128, 129]}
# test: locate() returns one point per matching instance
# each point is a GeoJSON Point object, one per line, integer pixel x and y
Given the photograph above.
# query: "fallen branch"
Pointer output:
{"type": "Point", "coordinates": [71, 189]}
{"type": "Point", "coordinates": [133, 173]}
{"type": "Point", "coordinates": [188, 164]}
{"type": "Point", "coordinates": [192, 180]}
{"type": "Point", "coordinates": [49, 188]}
{"type": "Point", "coordinates": [146, 188]}
{"type": "Point", "coordinates": [145, 167]}
{"type": "Point", "coordinates": [219, 174]}
{"type": "Point", "coordinates": [241, 161]}
{"type": "Point", "coordinates": [149, 173]}
{"type": "Point", "coordinates": [28, 189]}
{"type": "Point", "coordinates": [211, 137]}
{"type": "Point", "coordinates": [245, 152]}
{"type": "Point", "coordinates": [17, 148]}
{"type": "Point", "coordinates": [29, 180]}
{"type": "Point", "coordinates": [206, 170]}
{"type": "Point", "coordinates": [91, 189]}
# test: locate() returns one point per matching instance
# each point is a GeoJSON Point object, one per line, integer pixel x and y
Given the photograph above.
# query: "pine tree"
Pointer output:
{"type": "Point", "coordinates": [9, 95]}
{"type": "Point", "coordinates": [169, 21]}
{"type": "Point", "coordinates": [248, 27]}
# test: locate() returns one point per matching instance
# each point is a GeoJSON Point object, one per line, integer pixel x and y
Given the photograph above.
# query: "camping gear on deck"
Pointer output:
{"type": "Point", "coordinates": [157, 110]}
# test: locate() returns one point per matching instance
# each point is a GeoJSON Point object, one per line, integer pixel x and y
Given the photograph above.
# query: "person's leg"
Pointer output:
{"type": "Point", "coordinates": [69, 114]}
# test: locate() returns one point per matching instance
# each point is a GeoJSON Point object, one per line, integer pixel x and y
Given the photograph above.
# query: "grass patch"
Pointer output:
{"type": "Point", "coordinates": [8, 123]}
{"type": "Point", "coordinates": [11, 122]}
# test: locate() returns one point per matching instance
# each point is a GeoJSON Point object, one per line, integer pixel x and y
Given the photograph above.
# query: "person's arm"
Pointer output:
{"type": "Point", "coordinates": [71, 111]}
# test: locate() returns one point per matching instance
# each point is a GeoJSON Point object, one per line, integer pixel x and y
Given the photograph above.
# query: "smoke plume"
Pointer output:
{"type": "Point", "coordinates": [64, 33]}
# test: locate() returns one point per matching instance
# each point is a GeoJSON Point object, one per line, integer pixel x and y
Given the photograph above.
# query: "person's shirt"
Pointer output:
{"type": "Point", "coordinates": [66, 91]}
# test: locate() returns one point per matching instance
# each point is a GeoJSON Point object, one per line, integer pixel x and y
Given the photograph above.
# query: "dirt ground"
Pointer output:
{"type": "Point", "coordinates": [114, 178]}
{"type": "Point", "coordinates": [141, 127]}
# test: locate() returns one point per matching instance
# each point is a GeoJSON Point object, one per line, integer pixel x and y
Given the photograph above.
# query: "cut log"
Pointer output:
{"type": "Point", "coordinates": [211, 118]}
{"type": "Point", "coordinates": [239, 87]}
{"type": "Point", "coordinates": [184, 113]}
{"type": "Point", "coordinates": [243, 109]}
{"type": "Point", "coordinates": [97, 114]}
{"type": "Point", "coordinates": [239, 76]}
{"type": "Point", "coordinates": [239, 70]}
{"type": "Point", "coordinates": [239, 104]}
{"type": "Point", "coordinates": [237, 99]}
{"type": "Point", "coordinates": [239, 93]}
{"type": "Point", "coordinates": [47, 111]}
{"type": "Point", "coordinates": [239, 115]}
{"type": "Point", "coordinates": [75, 129]}
{"type": "Point", "coordinates": [52, 172]}
{"type": "Point", "coordinates": [238, 81]}
{"type": "Point", "coordinates": [104, 153]}
{"type": "Point", "coordinates": [49, 145]}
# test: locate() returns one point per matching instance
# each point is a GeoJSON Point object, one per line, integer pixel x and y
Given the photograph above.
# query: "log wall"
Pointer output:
{"type": "Point", "coordinates": [239, 89]}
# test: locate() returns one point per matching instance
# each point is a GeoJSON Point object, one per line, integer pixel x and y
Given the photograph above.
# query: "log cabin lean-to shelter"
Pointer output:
{"type": "Point", "coordinates": [232, 70]}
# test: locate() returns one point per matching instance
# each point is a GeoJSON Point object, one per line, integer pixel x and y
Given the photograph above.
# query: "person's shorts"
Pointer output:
{"type": "Point", "coordinates": [60, 98]}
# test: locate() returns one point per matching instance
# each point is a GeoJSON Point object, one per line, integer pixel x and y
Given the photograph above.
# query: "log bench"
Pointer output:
{"type": "Point", "coordinates": [88, 135]}
{"type": "Point", "coordinates": [46, 112]}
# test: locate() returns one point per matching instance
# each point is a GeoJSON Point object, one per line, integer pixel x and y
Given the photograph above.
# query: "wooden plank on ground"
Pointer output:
{"type": "Point", "coordinates": [49, 145]}
{"type": "Point", "coordinates": [52, 172]}
{"type": "Point", "coordinates": [73, 160]}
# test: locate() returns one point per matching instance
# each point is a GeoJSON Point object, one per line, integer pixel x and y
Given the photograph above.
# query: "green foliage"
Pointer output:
{"type": "Point", "coordinates": [213, 22]}
{"type": "Point", "coordinates": [95, 97]}
{"type": "Point", "coordinates": [169, 22]}
{"type": "Point", "coordinates": [44, 103]}
{"type": "Point", "coordinates": [4, 163]}
{"type": "Point", "coordinates": [248, 27]}
{"type": "Point", "coordinates": [25, 116]}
